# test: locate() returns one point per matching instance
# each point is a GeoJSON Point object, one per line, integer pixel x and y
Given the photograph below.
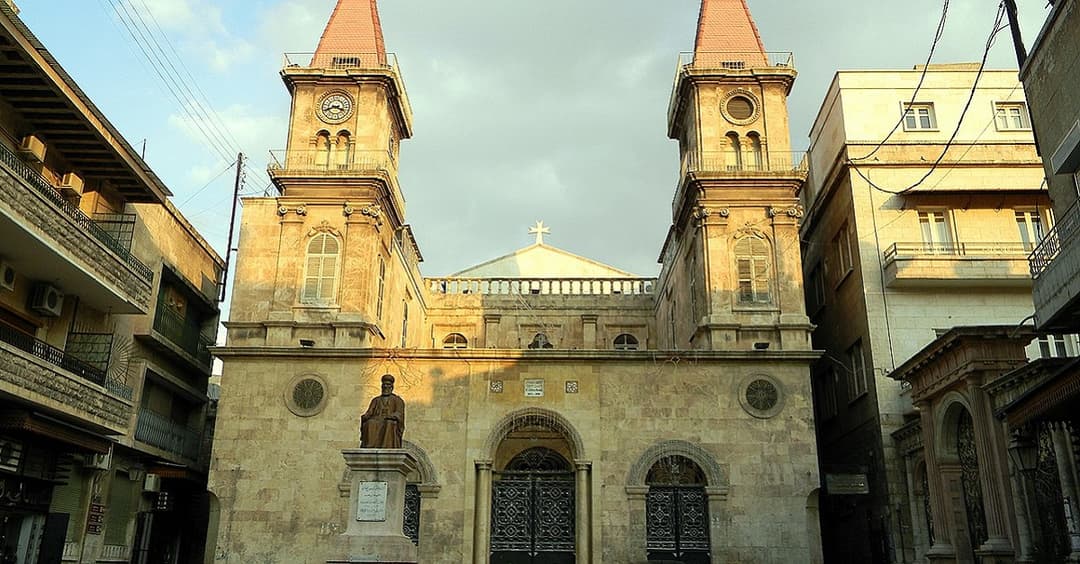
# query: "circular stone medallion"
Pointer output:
{"type": "Point", "coordinates": [761, 396]}
{"type": "Point", "coordinates": [306, 395]}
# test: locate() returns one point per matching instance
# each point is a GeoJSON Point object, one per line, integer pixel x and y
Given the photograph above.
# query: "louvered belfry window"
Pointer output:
{"type": "Point", "coordinates": [752, 260]}
{"type": "Point", "coordinates": [321, 270]}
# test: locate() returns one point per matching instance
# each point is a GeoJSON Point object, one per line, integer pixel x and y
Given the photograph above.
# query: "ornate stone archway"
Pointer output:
{"type": "Point", "coordinates": [551, 421]}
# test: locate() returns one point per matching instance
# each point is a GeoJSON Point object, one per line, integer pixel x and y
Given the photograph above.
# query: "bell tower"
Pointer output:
{"type": "Point", "coordinates": [733, 249]}
{"type": "Point", "coordinates": [328, 259]}
{"type": "Point", "coordinates": [349, 114]}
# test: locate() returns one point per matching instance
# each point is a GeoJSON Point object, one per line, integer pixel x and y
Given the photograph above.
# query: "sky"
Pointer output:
{"type": "Point", "coordinates": [524, 110]}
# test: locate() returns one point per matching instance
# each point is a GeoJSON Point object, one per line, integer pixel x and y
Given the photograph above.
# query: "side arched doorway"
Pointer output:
{"type": "Point", "coordinates": [532, 509]}
{"type": "Point", "coordinates": [677, 512]}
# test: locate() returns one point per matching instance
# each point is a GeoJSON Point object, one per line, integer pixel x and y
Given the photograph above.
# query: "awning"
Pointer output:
{"type": "Point", "coordinates": [1053, 400]}
{"type": "Point", "coordinates": [33, 423]}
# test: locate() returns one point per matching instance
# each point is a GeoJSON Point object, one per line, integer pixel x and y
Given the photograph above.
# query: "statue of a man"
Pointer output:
{"type": "Point", "coordinates": [384, 422]}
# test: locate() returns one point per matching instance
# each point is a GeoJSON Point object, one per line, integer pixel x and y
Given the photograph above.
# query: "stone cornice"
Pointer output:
{"type": "Point", "coordinates": [798, 357]}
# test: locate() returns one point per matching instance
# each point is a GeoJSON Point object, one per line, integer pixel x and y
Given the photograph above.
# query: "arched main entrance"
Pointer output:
{"type": "Point", "coordinates": [532, 509]}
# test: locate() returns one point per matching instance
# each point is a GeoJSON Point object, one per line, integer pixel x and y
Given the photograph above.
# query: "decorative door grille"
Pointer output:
{"type": "Point", "coordinates": [677, 523]}
{"type": "Point", "coordinates": [411, 524]}
{"type": "Point", "coordinates": [533, 510]}
{"type": "Point", "coordinates": [1051, 542]}
{"type": "Point", "coordinates": [969, 481]}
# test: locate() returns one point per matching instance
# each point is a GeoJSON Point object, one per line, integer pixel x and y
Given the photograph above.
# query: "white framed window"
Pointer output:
{"type": "Point", "coordinates": [919, 117]}
{"type": "Point", "coordinates": [1031, 227]}
{"type": "Point", "coordinates": [753, 266]}
{"type": "Point", "coordinates": [845, 262]}
{"type": "Point", "coordinates": [857, 384]}
{"type": "Point", "coordinates": [1057, 346]}
{"type": "Point", "coordinates": [455, 341]}
{"type": "Point", "coordinates": [1011, 116]}
{"type": "Point", "coordinates": [321, 270]}
{"type": "Point", "coordinates": [626, 342]}
{"type": "Point", "coordinates": [936, 232]}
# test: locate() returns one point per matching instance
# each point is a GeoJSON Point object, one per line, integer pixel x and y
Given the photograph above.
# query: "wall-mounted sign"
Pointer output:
{"type": "Point", "coordinates": [846, 484]}
{"type": "Point", "coordinates": [371, 501]}
{"type": "Point", "coordinates": [534, 388]}
{"type": "Point", "coordinates": [95, 517]}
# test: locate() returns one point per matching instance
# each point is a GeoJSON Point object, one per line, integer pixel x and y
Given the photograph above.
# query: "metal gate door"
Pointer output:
{"type": "Point", "coordinates": [678, 524]}
{"type": "Point", "coordinates": [532, 510]}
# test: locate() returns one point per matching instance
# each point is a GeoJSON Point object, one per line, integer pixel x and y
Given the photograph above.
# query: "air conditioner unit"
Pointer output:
{"type": "Point", "coordinates": [98, 461]}
{"type": "Point", "coordinates": [7, 275]}
{"type": "Point", "coordinates": [71, 185]}
{"type": "Point", "coordinates": [10, 454]}
{"type": "Point", "coordinates": [152, 483]}
{"type": "Point", "coordinates": [33, 148]}
{"type": "Point", "coordinates": [47, 300]}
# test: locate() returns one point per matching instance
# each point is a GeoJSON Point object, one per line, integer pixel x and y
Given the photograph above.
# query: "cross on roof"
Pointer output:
{"type": "Point", "coordinates": [539, 230]}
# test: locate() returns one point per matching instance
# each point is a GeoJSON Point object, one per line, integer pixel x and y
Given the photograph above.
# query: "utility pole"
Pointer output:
{"type": "Point", "coordinates": [232, 223]}
{"type": "Point", "coordinates": [1018, 40]}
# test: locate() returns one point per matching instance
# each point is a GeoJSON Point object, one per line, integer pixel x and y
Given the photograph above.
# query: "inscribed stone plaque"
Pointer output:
{"type": "Point", "coordinates": [847, 484]}
{"type": "Point", "coordinates": [534, 388]}
{"type": "Point", "coordinates": [371, 501]}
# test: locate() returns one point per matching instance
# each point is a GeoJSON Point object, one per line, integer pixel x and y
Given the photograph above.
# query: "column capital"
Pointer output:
{"type": "Point", "coordinates": [580, 465]}
{"type": "Point", "coordinates": [483, 464]}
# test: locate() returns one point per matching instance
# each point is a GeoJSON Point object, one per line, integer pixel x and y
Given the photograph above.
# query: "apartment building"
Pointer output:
{"type": "Point", "coordinates": [916, 223]}
{"type": "Point", "coordinates": [108, 302]}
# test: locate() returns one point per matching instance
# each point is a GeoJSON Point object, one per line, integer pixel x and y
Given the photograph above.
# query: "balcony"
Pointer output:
{"type": "Point", "coordinates": [47, 238]}
{"type": "Point", "coordinates": [59, 382]}
{"type": "Point", "coordinates": [159, 431]}
{"type": "Point", "coordinates": [956, 264]}
{"type": "Point", "coordinates": [181, 338]}
{"type": "Point", "coordinates": [745, 164]}
{"type": "Point", "coordinates": [1055, 267]}
{"type": "Point", "coordinates": [542, 286]}
{"type": "Point", "coordinates": [332, 163]}
{"type": "Point", "coordinates": [736, 61]}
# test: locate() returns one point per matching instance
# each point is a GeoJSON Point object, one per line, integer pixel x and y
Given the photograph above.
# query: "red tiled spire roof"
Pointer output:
{"type": "Point", "coordinates": [727, 26]}
{"type": "Point", "coordinates": [354, 29]}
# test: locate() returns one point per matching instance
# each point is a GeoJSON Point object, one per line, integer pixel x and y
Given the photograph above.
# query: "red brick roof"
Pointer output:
{"type": "Point", "coordinates": [353, 29]}
{"type": "Point", "coordinates": [727, 26]}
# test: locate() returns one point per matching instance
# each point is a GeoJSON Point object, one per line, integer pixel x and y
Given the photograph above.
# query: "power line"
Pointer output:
{"type": "Point", "coordinates": [967, 106]}
{"type": "Point", "coordinates": [207, 185]}
{"type": "Point", "coordinates": [914, 95]}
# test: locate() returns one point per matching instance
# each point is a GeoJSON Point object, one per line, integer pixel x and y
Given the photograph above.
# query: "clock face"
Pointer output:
{"type": "Point", "coordinates": [335, 107]}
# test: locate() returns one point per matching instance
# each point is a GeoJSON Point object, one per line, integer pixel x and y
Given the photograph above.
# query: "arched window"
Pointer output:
{"type": "Point", "coordinates": [626, 342]}
{"type": "Point", "coordinates": [753, 267]}
{"type": "Point", "coordinates": [455, 341]}
{"type": "Point", "coordinates": [321, 270]}
{"type": "Point", "coordinates": [343, 150]}
{"type": "Point", "coordinates": [676, 511]}
{"type": "Point", "coordinates": [541, 341]}
{"type": "Point", "coordinates": [757, 161]}
{"type": "Point", "coordinates": [322, 149]}
{"type": "Point", "coordinates": [734, 159]}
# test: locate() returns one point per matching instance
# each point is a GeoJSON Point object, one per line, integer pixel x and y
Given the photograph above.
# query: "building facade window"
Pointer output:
{"type": "Point", "coordinates": [1030, 225]}
{"type": "Point", "coordinates": [692, 278]}
{"type": "Point", "coordinates": [321, 270]}
{"type": "Point", "coordinates": [734, 159]}
{"type": "Point", "coordinates": [626, 342]}
{"type": "Point", "coordinates": [753, 266]}
{"type": "Point", "coordinates": [842, 248]}
{"type": "Point", "coordinates": [1011, 116]}
{"type": "Point", "coordinates": [404, 323]}
{"type": "Point", "coordinates": [455, 341]}
{"type": "Point", "coordinates": [936, 233]}
{"type": "Point", "coordinates": [919, 117]}
{"type": "Point", "coordinates": [857, 385]}
{"type": "Point", "coordinates": [1057, 346]}
{"type": "Point", "coordinates": [380, 294]}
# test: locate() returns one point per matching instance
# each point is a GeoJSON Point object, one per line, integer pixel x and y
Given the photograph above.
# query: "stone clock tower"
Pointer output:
{"type": "Point", "coordinates": [733, 249]}
{"type": "Point", "coordinates": [340, 209]}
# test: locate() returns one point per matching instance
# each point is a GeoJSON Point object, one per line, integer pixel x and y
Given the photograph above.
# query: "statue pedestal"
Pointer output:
{"type": "Point", "coordinates": [377, 507]}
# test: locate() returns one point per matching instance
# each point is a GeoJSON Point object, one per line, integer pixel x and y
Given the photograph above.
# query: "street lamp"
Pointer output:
{"type": "Point", "coordinates": [1023, 451]}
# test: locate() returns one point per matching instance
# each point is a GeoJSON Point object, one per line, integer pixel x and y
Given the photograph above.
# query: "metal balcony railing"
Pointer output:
{"type": "Point", "coordinates": [340, 61]}
{"type": "Point", "coordinates": [51, 354]}
{"type": "Point", "coordinates": [543, 286]}
{"type": "Point", "coordinates": [46, 189]}
{"type": "Point", "coordinates": [994, 250]}
{"type": "Point", "coordinates": [184, 334]}
{"type": "Point", "coordinates": [160, 431]}
{"type": "Point", "coordinates": [1066, 230]}
{"type": "Point", "coordinates": [744, 162]}
{"type": "Point", "coordinates": [736, 60]}
{"type": "Point", "coordinates": [343, 162]}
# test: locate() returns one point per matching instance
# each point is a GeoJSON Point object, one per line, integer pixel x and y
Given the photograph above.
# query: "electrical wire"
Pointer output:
{"type": "Point", "coordinates": [207, 185]}
{"type": "Point", "coordinates": [922, 78]}
{"type": "Point", "coordinates": [967, 106]}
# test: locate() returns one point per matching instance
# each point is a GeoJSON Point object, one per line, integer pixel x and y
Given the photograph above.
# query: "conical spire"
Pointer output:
{"type": "Point", "coordinates": [353, 32]}
{"type": "Point", "coordinates": [726, 26]}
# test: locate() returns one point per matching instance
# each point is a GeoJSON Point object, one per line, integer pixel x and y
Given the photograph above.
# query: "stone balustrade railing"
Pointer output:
{"type": "Point", "coordinates": [543, 286]}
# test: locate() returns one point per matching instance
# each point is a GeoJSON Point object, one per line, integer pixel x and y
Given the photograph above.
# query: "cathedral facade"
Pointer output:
{"type": "Point", "coordinates": [560, 409]}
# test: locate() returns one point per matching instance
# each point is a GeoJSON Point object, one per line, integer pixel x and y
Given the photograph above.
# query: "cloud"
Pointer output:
{"type": "Point", "coordinates": [198, 26]}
